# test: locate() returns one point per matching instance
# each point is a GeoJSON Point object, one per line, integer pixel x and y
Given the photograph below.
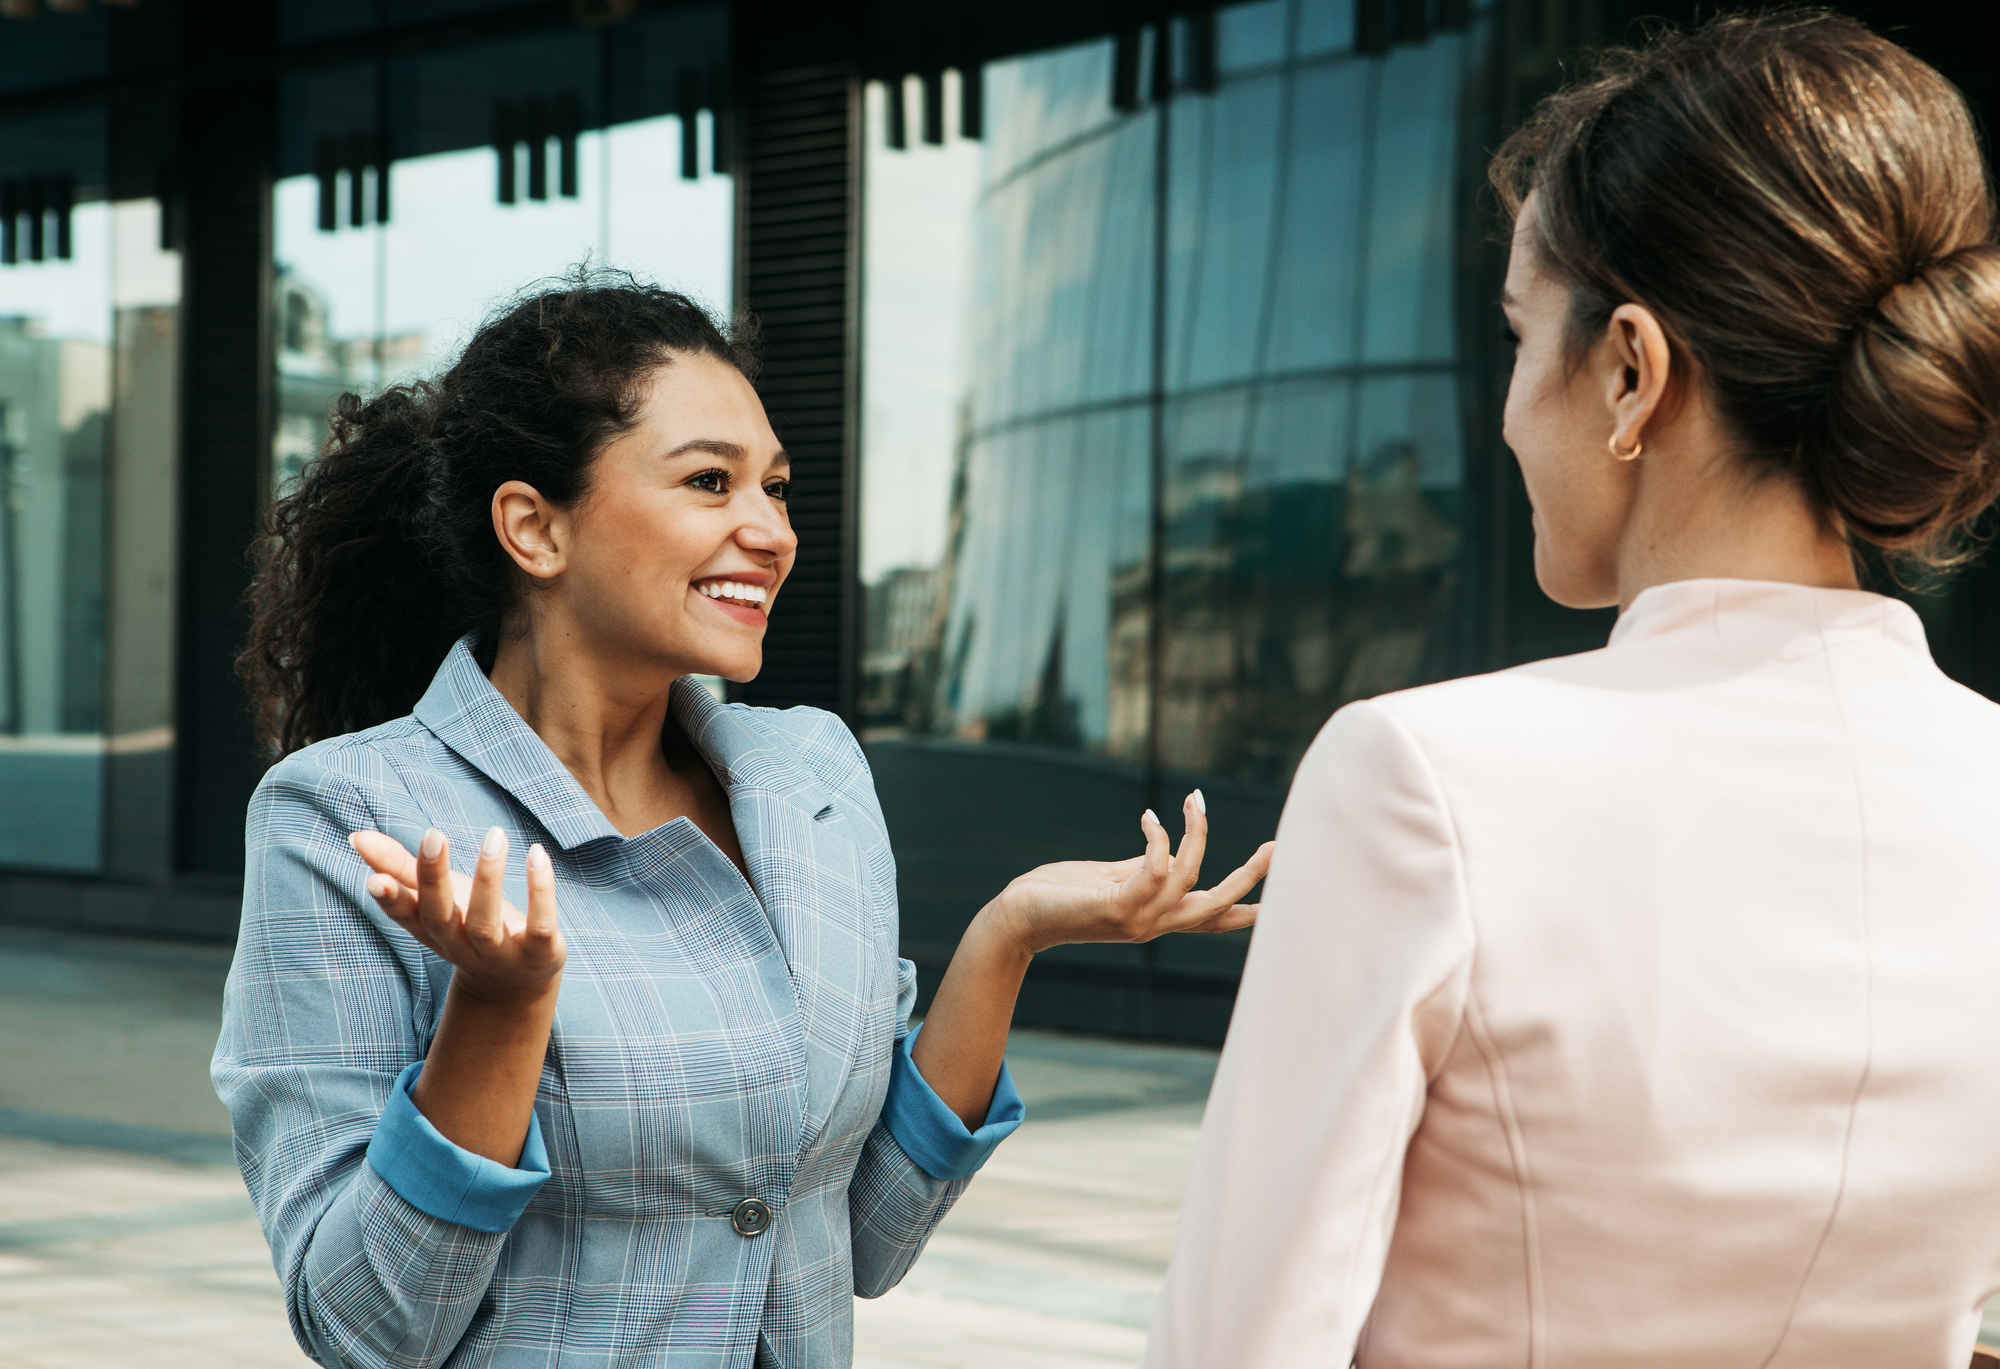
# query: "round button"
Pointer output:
{"type": "Point", "coordinates": [750, 1216]}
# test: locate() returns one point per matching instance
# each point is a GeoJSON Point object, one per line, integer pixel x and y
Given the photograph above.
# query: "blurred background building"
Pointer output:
{"type": "Point", "coordinates": [1139, 359]}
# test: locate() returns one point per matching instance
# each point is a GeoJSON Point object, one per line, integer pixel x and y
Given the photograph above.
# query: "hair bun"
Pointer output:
{"type": "Point", "coordinates": [1907, 451]}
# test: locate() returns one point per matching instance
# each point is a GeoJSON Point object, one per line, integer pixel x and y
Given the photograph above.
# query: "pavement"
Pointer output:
{"type": "Point", "coordinates": [126, 1239]}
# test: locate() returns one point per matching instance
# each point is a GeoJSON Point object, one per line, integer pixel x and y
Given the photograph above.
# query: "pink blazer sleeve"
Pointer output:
{"type": "Point", "coordinates": [1352, 998]}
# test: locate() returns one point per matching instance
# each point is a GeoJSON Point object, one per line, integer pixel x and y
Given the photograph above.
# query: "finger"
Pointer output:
{"type": "Point", "coordinates": [1159, 856]}
{"type": "Point", "coordinates": [1244, 877]}
{"type": "Point", "coordinates": [385, 856]}
{"type": "Point", "coordinates": [1231, 918]}
{"type": "Point", "coordinates": [1239, 881]}
{"type": "Point", "coordinates": [398, 902]}
{"type": "Point", "coordinates": [1194, 841]}
{"type": "Point", "coordinates": [540, 932]}
{"type": "Point", "coordinates": [436, 908]}
{"type": "Point", "coordinates": [485, 918]}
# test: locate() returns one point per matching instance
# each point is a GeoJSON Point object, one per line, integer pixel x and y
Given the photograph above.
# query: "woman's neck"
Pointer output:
{"type": "Point", "coordinates": [602, 718]}
{"type": "Point", "coordinates": [1713, 520]}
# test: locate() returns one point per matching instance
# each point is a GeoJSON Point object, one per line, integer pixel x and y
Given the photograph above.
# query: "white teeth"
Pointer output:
{"type": "Point", "coordinates": [729, 589]}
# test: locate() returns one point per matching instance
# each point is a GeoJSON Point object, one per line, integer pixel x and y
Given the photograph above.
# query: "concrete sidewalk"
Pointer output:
{"type": "Point", "coordinates": [126, 1239]}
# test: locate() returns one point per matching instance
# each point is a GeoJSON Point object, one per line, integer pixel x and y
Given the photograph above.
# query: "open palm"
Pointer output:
{"type": "Point", "coordinates": [1137, 899]}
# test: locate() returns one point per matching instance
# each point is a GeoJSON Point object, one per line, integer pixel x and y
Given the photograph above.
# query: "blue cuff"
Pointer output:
{"type": "Point", "coordinates": [448, 1182]}
{"type": "Point", "coordinates": [931, 1133]}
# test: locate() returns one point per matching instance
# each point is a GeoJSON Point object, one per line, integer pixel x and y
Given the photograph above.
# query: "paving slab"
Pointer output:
{"type": "Point", "coordinates": [126, 1238]}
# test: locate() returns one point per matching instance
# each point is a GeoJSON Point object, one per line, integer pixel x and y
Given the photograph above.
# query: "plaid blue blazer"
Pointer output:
{"type": "Point", "coordinates": [714, 1041]}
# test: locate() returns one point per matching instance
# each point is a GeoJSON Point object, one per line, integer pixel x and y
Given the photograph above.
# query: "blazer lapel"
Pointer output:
{"type": "Point", "coordinates": [810, 877]}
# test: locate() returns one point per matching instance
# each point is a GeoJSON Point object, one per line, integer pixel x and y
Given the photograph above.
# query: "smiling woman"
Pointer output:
{"type": "Point", "coordinates": [675, 1105]}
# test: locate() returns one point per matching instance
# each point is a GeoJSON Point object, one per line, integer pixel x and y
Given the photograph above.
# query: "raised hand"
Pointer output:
{"type": "Point", "coordinates": [1132, 900]}
{"type": "Point", "coordinates": [498, 954]}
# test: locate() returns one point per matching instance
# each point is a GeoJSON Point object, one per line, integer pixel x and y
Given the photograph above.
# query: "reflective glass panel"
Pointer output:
{"type": "Point", "coordinates": [1164, 448]}
{"type": "Point", "coordinates": [383, 275]}
{"type": "Point", "coordinates": [88, 305]}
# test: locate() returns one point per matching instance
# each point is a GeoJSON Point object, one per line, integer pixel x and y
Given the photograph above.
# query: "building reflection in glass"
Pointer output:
{"type": "Point", "coordinates": [1194, 473]}
{"type": "Point", "coordinates": [385, 264]}
{"type": "Point", "coordinates": [89, 302]}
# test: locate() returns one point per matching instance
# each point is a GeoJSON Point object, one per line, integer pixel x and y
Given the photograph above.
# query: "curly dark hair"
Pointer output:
{"type": "Point", "coordinates": [384, 555]}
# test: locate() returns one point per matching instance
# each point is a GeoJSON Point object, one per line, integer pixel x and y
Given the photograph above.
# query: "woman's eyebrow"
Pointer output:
{"type": "Point", "coordinates": [714, 446]}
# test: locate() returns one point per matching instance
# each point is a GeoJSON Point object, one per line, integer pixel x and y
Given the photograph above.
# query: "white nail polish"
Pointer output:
{"type": "Point", "coordinates": [495, 845]}
{"type": "Point", "coordinates": [1200, 803]}
{"type": "Point", "coordinates": [538, 859]}
{"type": "Point", "coordinates": [433, 843]}
{"type": "Point", "coordinates": [1152, 817]}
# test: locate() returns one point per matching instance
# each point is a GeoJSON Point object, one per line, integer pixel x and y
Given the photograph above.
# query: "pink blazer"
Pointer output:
{"type": "Point", "coordinates": [1636, 1008]}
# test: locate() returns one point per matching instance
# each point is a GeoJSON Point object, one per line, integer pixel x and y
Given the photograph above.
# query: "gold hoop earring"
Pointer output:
{"type": "Point", "coordinates": [1632, 455]}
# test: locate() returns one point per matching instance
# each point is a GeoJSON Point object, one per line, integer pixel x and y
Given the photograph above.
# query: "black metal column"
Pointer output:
{"type": "Point", "coordinates": [228, 117]}
{"type": "Point", "coordinates": [799, 274]}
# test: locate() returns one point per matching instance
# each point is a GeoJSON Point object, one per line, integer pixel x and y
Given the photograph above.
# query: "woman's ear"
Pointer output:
{"type": "Point", "coordinates": [533, 531]}
{"type": "Point", "coordinates": [1641, 365]}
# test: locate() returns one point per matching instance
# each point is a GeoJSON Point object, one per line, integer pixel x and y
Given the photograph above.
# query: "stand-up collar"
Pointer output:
{"type": "Point", "coordinates": [471, 717]}
{"type": "Point", "coordinates": [1763, 616]}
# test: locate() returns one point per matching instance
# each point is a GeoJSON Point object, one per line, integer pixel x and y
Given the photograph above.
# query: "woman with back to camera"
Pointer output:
{"type": "Point", "coordinates": [679, 1122]}
{"type": "Point", "coordinates": [1637, 1008]}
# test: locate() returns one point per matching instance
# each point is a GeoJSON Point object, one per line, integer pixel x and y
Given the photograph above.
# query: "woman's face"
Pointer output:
{"type": "Point", "coordinates": [676, 552]}
{"type": "Point", "coordinates": [1558, 422]}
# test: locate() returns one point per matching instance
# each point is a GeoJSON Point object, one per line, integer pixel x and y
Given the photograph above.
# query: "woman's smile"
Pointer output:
{"type": "Point", "coordinates": [738, 596]}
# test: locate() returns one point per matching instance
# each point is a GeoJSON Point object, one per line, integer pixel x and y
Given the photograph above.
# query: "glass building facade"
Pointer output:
{"type": "Point", "coordinates": [1193, 473]}
{"type": "Point", "coordinates": [1139, 365]}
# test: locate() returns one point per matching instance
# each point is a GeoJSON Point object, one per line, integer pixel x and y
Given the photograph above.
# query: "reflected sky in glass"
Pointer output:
{"type": "Point", "coordinates": [364, 307]}
{"type": "Point", "coordinates": [1180, 534]}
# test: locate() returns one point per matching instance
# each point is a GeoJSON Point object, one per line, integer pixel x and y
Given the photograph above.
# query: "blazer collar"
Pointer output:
{"type": "Point", "coordinates": [1756, 618]}
{"type": "Point", "coordinates": [755, 764]}
{"type": "Point", "coordinates": [469, 715]}
{"type": "Point", "coordinates": [746, 755]}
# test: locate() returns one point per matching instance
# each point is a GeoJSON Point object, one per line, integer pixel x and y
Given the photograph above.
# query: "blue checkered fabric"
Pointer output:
{"type": "Point", "coordinates": [714, 1040]}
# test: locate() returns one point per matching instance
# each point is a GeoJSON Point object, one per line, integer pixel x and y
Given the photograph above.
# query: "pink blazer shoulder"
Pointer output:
{"type": "Point", "coordinates": [1637, 1008]}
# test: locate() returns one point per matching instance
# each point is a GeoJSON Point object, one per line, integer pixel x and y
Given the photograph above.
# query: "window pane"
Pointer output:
{"type": "Point", "coordinates": [1118, 545]}
{"type": "Point", "coordinates": [365, 299]}
{"type": "Point", "coordinates": [56, 341]}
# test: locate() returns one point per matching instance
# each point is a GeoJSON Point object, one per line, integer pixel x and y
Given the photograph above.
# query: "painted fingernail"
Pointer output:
{"type": "Point", "coordinates": [1152, 817]}
{"type": "Point", "coordinates": [538, 859]}
{"type": "Point", "coordinates": [433, 845]}
{"type": "Point", "coordinates": [495, 845]}
{"type": "Point", "coordinates": [378, 886]}
{"type": "Point", "coordinates": [1200, 803]}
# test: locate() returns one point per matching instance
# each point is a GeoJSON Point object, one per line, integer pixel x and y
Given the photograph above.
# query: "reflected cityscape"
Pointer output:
{"type": "Point", "coordinates": [1207, 456]}
{"type": "Point", "coordinates": [1140, 373]}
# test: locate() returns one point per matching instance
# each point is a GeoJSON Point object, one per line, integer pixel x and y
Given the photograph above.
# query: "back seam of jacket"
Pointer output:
{"type": "Point", "coordinates": [1867, 1004]}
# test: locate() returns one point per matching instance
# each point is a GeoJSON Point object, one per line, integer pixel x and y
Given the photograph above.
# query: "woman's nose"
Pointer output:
{"type": "Point", "coordinates": [769, 531]}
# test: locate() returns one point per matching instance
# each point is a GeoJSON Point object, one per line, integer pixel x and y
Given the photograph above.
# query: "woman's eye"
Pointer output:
{"type": "Point", "coordinates": [779, 490]}
{"type": "Point", "coordinates": [713, 482]}
{"type": "Point", "coordinates": [1509, 336]}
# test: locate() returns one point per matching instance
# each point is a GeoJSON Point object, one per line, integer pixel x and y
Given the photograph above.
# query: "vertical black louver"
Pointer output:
{"type": "Point", "coordinates": [690, 110]}
{"type": "Point", "coordinates": [569, 120]}
{"type": "Point", "coordinates": [934, 107]}
{"type": "Point", "coordinates": [357, 180]}
{"type": "Point", "coordinates": [1201, 51]}
{"type": "Point", "coordinates": [62, 199]}
{"type": "Point", "coordinates": [799, 181]}
{"type": "Point", "coordinates": [1125, 70]}
{"type": "Point", "coordinates": [971, 100]}
{"type": "Point", "coordinates": [535, 133]}
{"type": "Point", "coordinates": [1371, 26]}
{"type": "Point", "coordinates": [505, 137]}
{"type": "Point", "coordinates": [899, 127]}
